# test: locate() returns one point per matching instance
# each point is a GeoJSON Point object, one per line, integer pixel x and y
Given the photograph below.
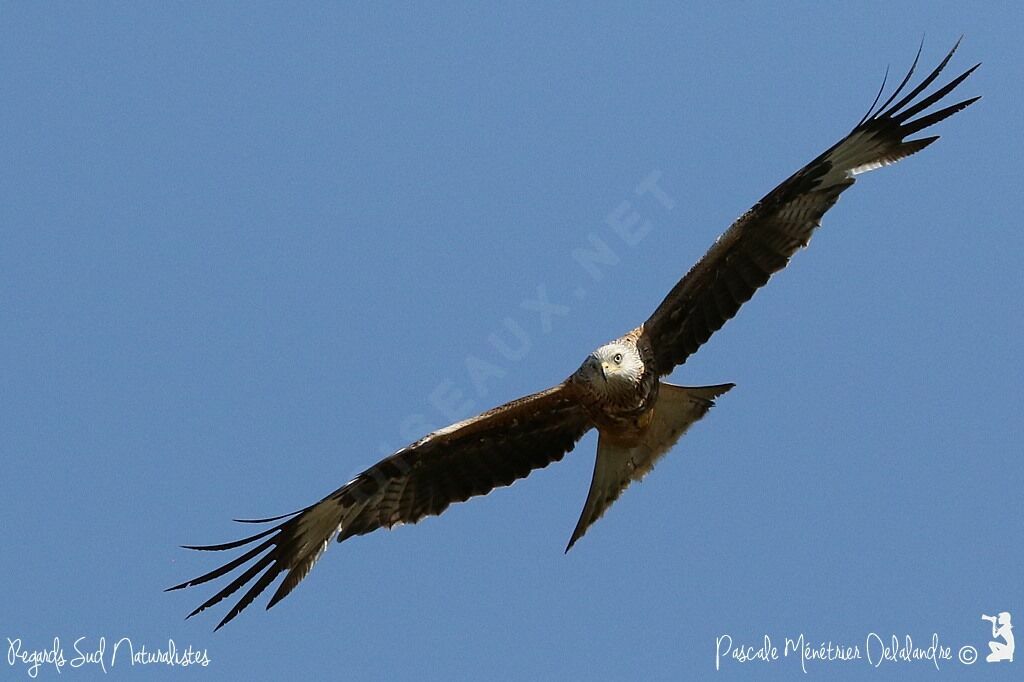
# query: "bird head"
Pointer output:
{"type": "Point", "coordinates": [612, 368]}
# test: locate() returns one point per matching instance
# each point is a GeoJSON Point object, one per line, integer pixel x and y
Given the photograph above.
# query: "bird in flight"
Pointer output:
{"type": "Point", "coordinates": [618, 390]}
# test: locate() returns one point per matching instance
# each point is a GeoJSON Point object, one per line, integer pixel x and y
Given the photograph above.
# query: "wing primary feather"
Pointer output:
{"type": "Point", "coordinates": [226, 568]}
{"type": "Point", "coordinates": [272, 518]}
{"type": "Point", "coordinates": [234, 585]}
{"type": "Point", "coordinates": [931, 119]}
{"type": "Point", "coordinates": [923, 84]}
{"type": "Point", "coordinates": [881, 89]}
{"type": "Point", "coordinates": [293, 578]}
{"type": "Point", "coordinates": [903, 83]}
{"type": "Point", "coordinates": [934, 97]}
{"type": "Point", "coordinates": [232, 545]}
{"type": "Point", "coordinates": [250, 595]}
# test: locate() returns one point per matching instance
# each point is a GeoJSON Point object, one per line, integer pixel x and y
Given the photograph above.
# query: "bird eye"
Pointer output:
{"type": "Point", "coordinates": [617, 359]}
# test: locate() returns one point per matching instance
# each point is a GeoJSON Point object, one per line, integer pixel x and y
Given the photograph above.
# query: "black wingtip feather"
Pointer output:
{"type": "Point", "coordinates": [238, 583]}
{"type": "Point", "coordinates": [920, 87]}
{"type": "Point", "coordinates": [914, 146]}
{"type": "Point", "coordinates": [931, 119]}
{"type": "Point", "coordinates": [233, 544]}
{"type": "Point", "coordinates": [283, 590]}
{"type": "Point", "coordinates": [900, 122]}
{"type": "Point", "coordinates": [933, 98]}
{"type": "Point", "coordinates": [272, 518]}
{"type": "Point", "coordinates": [878, 96]}
{"type": "Point", "coordinates": [903, 83]}
{"type": "Point", "coordinates": [226, 568]}
{"type": "Point", "coordinates": [250, 596]}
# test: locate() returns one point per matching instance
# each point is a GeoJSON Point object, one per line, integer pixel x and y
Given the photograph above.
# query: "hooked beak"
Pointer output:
{"type": "Point", "coordinates": [597, 366]}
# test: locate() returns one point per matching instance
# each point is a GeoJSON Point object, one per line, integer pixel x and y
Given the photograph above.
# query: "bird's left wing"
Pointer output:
{"type": "Point", "coordinates": [450, 465]}
{"type": "Point", "coordinates": [763, 239]}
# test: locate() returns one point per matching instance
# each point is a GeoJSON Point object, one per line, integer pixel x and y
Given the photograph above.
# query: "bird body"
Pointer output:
{"type": "Point", "coordinates": [618, 385]}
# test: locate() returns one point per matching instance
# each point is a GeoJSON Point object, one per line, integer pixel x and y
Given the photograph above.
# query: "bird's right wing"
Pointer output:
{"type": "Point", "coordinates": [762, 240]}
{"type": "Point", "coordinates": [450, 465]}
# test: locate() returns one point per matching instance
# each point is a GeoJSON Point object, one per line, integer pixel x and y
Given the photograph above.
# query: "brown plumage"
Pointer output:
{"type": "Point", "coordinates": [618, 389]}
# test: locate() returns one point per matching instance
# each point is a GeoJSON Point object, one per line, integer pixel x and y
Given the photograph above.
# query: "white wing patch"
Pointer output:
{"type": "Point", "coordinates": [859, 153]}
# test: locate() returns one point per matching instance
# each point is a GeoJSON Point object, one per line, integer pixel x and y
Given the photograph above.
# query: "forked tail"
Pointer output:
{"type": "Point", "coordinates": [618, 465]}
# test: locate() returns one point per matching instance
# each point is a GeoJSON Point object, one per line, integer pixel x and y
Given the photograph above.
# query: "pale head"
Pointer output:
{"type": "Point", "coordinates": [613, 368]}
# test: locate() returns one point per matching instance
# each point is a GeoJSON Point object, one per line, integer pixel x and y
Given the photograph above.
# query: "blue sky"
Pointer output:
{"type": "Point", "coordinates": [245, 248]}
